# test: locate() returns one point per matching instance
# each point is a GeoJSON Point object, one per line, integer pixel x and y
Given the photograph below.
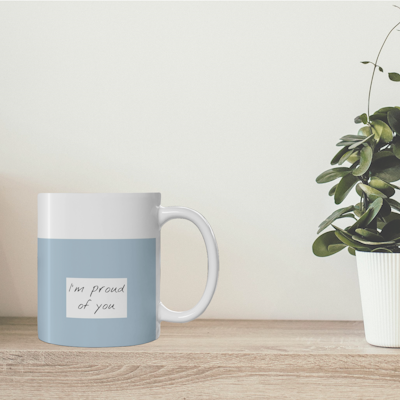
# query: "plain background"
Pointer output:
{"type": "Point", "coordinates": [229, 108]}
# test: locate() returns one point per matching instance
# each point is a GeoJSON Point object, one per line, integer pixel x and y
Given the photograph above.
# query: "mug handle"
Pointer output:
{"type": "Point", "coordinates": [168, 213]}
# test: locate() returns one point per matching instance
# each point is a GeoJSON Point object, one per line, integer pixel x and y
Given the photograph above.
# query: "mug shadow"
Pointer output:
{"type": "Point", "coordinates": [18, 261]}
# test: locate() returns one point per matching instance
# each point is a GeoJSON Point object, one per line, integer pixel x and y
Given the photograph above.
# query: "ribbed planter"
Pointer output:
{"type": "Point", "coordinates": [379, 277]}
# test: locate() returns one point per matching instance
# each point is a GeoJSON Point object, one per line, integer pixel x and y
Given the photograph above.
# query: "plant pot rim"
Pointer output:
{"type": "Point", "coordinates": [377, 252]}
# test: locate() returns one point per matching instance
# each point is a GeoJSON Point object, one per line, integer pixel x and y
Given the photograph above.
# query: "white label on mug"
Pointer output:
{"type": "Point", "coordinates": [97, 297]}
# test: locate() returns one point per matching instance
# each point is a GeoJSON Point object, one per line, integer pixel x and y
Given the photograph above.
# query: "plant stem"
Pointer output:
{"type": "Point", "coordinates": [376, 62]}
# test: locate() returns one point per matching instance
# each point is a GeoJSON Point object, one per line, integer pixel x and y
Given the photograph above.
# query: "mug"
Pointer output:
{"type": "Point", "coordinates": [99, 268]}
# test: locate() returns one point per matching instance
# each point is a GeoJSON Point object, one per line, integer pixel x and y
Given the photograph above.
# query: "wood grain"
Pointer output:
{"type": "Point", "coordinates": [204, 359]}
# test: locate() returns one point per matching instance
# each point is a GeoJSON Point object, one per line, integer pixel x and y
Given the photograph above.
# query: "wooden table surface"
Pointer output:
{"type": "Point", "coordinates": [204, 359]}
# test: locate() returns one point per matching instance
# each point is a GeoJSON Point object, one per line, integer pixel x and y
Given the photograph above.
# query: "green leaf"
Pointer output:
{"type": "Point", "coordinates": [379, 116]}
{"type": "Point", "coordinates": [391, 230]}
{"type": "Point", "coordinates": [384, 110]}
{"type": "Point", "coordinates": [344, 231]}
{"type": "Point", "coordinates": [386, 183]}
{"type": "Point", "coordinates": [352, 251]}
{"type": "Point", "coordinates": [343, 143]}
{"type": "Point", "coordinates": [354, 157]}
{"type": "Point", "coordinates": [345, 157]}
{"type": "Point", "coordinates": [335, 215]}
{"type": "Point", "coordinates": [335, 248]}
{"type": "Point", "coordinates": [372, 193]}
{"type": "Point", "coordinates": [351, 138]}
{"type": "Point", "coordinates": [354, 165]}
{"type": "Point", "coordinates": [396, 149]}
{"type": "Point", "coordinates": [368, 216]}
{"type": "Point", "coordinates": [391, 217]}
{"type": "Point", "coordinates": [339, 155]}
{"type": "Point", "coordinates": [321, 244]}
{"type": "Point", "coordinates": [368, 242]}
{"type": "Point", "coordinates": [332, 174]}
{"type": "Point", "coordinates": [382, 154]}
{"type": "Point", "coordinates": [395, 204]}
{"type": "Point", "coordinates": [376, 65]}
{"type": "Point", "coordinates": [356, 144]}
{"type": "Point", "coordinates": [382, 186]}
{"type": "Point", "coordinates": [386, 209]}
{"type": "Point", "coordinates": [364, 131]}
{"type": "Point", "coordinates": [389, 192]}
{"type": "Point", "coordinates": [332, 190]}
{"type": "Point", "coordinates": [373, 237]}
{"type": "Point", "coordinates": [379, 184]}
{"type": "Point", "coordinates": [362, 222]}
{"type": "Point", "coordinates": [348, 215]}
{"type": "Point", "coordinates": [361, 119]}
{"type": "Point", "coordinates": [383, 131]}
{"type": "Point", "coordinates": [365, 161]}
{"type": "Point", "coordinates": [393, 117]}
{"type": "Point", "coordinates": [381, 250]}
{"type": "Point", "coordinates": [358, 213]}
{"type": "Point", "coordinates": [374, 208]}
{"type": "Point", "coordinates": [344, 187]}
{"type": "Point", "coordinates": [394, 76]}
{"type": "Point", "coordinates": [358, 190]}
{"type": "Point", "coordinates": [386, 168]}
{"type": "Point", "coordinates": [350, 242]}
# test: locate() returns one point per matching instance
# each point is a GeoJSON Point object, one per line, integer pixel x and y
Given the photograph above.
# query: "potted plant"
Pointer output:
{"type": "Point", "coordinates": [373, 164]}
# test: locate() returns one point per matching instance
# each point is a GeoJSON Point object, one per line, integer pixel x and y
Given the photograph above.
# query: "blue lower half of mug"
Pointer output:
{"type": "Point", "coordinates": [97, 292]}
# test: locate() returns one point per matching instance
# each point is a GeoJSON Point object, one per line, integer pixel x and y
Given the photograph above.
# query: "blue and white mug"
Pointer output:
{"type": "Point", "coordinates": [99, 268]}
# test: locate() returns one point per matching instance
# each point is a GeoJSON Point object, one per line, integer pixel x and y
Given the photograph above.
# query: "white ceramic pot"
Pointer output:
{"type": "Point", "coordinates": [379, 277]}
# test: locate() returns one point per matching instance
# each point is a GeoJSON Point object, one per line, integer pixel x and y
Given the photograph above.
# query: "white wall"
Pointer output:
{"type": "Point", "coordinates": [232, 109]}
